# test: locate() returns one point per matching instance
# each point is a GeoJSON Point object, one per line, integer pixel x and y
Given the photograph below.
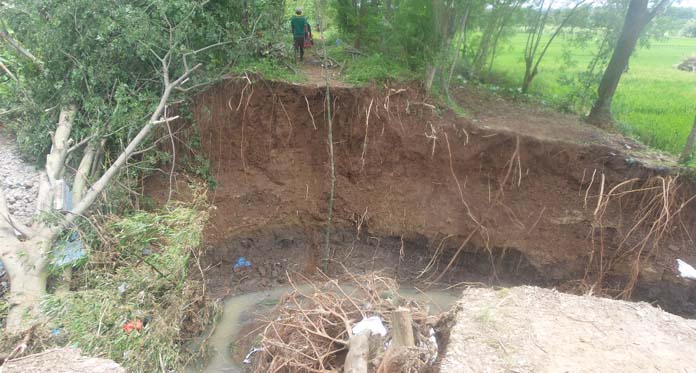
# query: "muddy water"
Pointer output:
{"type": "Point", "coordinates": [239, 310]}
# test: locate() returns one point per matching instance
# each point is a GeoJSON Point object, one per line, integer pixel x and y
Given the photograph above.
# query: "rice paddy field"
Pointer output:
{"type": "Point", "coordinates": [655, 102]}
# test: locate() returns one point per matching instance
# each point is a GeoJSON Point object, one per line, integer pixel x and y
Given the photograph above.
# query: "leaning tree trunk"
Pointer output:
{"type": "Point", "coordinates": [26, 260]}
{"type": "Point", "coordinates": [26, 267]}
{"type": "Point", "coordinates": [637, 17]}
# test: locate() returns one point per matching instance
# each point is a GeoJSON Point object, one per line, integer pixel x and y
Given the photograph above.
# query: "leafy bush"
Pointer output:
{"type": "Point", "coordinates": [104, 58]}
{"type": "Point", "coordinates": [375, 68]}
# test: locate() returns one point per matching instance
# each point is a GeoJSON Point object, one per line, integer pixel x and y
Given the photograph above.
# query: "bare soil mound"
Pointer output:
{"type": "Point", "coordinates": [508, 196]}
{"type": "Point", "coordinates": [528, 329]}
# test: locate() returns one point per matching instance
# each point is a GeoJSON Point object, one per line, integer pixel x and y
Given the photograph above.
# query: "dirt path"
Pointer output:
{"type": "Point", "coordinates": [313, 71]}
{"type": "Point", "coordinates": [495, 112]}
{"type": "Point", "coordinates": [18, 179]}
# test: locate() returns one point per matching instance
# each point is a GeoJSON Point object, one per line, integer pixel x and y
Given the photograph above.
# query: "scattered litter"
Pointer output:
{"type": "Point", "coordinates": [242, 262]}
{"type": "Point", "coordinates": [372, 324]}
{"type": "Point", "coordinates": [129, 326]}
{"type": "Point", "coordinates": [433, 346]}
{"type": "Point", "coordinates": [247, 358]}
{"type": "Point", "coordinates": [122, 288]}
{"type": "Point", "coordinates": [686, 270]}
{"type": "Point", "coordinates": [68, 252]}
{"type": "Point", "coordinates": [55, 331]}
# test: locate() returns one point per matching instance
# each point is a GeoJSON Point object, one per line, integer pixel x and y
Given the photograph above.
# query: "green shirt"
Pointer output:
{"type": "Point", "coordinates": [298, 23]}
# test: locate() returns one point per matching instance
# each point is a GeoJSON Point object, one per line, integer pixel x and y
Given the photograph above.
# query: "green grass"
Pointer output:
{"type": "Point", "coordinates": [136, 286]}
{"type": "Point", "coordinates": [269, 68]}
{"type": "Point", "coordinates": [369, 68]}
{"type": "Point", "coordinates": [654, 102]}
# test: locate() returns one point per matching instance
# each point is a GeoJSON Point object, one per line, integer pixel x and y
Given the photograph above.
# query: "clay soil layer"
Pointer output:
{"type": "Point", "coordinates": [513, 194]}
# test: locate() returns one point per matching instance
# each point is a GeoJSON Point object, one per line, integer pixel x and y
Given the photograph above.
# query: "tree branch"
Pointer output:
{"type": "Point", "coordinates": [5, 35]}
{"type": "Point", "coordinates": [102, 183]}
{"type": "Point", "coordinates": [8, 72]}
{"type": "Point", "coordinates": [659, 8]}
{"type": "Point", "coordinates": [558, 31]}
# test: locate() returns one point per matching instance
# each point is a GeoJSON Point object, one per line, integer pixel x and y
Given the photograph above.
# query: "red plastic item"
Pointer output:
{"type": "Point", "coordinates": [309, 40]}
{"type": "Point", "coordinates": [129, 326]}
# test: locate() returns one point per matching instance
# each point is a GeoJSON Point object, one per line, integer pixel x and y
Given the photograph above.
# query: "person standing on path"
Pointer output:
{"type": "Point", "coordinates": [299, 24]}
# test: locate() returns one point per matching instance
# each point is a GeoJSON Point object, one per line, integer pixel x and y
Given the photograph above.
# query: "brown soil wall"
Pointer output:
{"type": "Point", "coordinates": [432, 181]}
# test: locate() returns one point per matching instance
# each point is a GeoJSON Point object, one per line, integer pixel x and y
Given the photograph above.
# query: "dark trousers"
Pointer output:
{"type": "Point", "coordinates": [299, 44]}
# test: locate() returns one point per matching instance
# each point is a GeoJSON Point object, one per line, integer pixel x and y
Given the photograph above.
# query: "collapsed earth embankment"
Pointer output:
{"type": "Point", "coordinates": [431, 197]}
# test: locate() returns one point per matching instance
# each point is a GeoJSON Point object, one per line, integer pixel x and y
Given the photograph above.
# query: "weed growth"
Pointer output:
{"type": "Point", "coordinates": [138, 277]}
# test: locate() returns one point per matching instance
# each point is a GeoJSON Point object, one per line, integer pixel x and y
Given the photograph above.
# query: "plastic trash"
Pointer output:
{"type": "Point", "coordinates": [247, 358]}
{"type": "Point", "coordinates": [373, 324]}
{"type": "Point", "coordinates": [242, 262]}
{"type": "Point", "coordinates": [129, 326]}
{"type": "Point", "coordinates": [68, 252]}
{"type": "Point", "coordinates": [686, 270]}
{"type": "Point", "coordinates": [55, 332]}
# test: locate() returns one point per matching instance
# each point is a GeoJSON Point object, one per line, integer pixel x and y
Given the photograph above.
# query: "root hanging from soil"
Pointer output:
{"type": "Point", "coordinates": [311, 326]}
{"type": "Point", "coordinates": [657, 205]}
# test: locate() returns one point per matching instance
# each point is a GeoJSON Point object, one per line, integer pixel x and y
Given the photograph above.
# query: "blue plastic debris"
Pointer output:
{"type": "Point", "coordinates": [338, 42]}
{"type": "Point", "coordinates": [68, 252]}
{"type": "Point", "coordinates": [242, 262]}
{"type": "Point", "coordinates": [55, 331]}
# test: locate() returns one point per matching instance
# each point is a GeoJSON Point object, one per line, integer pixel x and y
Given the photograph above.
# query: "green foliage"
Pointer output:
{"type": "Point", "coordinates": [104, 58]}
{"type": "Point", "coordinates": [661, 118]}
{"type": "Point", "coordinates": [689, 29]}
{"type": "Point", "coordinates": [200, 167]}
{"type": "Point", "coordinates": [146, 278]}
{"type": "Point", "coordinates": [374, 67]}
{"type": "Point", "coordinates": [407, 34]}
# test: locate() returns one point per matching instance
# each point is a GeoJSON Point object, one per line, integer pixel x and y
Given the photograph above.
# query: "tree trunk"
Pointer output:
{"type": "Point", "coordinates": [458, 48]}
{"type": "Point", "coordinates": [362, 23]}
{"type": "Point", "coordinates": [26, 267]}
{"type": "Point", "coordinates": [528, 77]}
{"type": "Point", "coordinates": [637, 17]}
{"type": "Point", "coordinates": [430, 72]}
{"type": "Point", "coordinates": [26, 261]}
{"type": "Point", "coordinates": [83, 173]}
{"type": "Point", "coordinates": [689, 147]}
{"type": "Point", "coordinates": [402, 328]}
{"type": "Point", "coordinates": [358, 354]}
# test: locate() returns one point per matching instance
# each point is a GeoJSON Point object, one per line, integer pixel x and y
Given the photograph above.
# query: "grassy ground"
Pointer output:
{"type": "Point", "coordinates": [654, 102]}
